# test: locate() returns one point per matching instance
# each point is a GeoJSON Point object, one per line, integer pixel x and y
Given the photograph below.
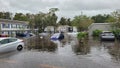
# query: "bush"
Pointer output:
{"type": "Point", "coordinates": [82, 35]}
{"type": "Point", "coordinates": [116, 32]}
{"type": "Point", "coordinates": [96, 32]}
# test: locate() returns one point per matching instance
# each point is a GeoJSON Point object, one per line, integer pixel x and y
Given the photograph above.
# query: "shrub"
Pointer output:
{"type": "Point", "coordinates": [116, 32]}
{"type": "Point", "coordinates": [82, 38]}
{"type": "Point", "coordinates": [82, 35]}
{"type": "Point", "coordinates": [96, 32]}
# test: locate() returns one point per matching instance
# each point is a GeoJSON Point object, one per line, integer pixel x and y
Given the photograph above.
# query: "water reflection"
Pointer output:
{"type": "Point", "coordinates": [114, 51]}
{"type": "Point", "coordinates": [81, 49]}
{"type": "Point", "coordinates": [69, 46]}
{"type": "Point", "coordinates": [112, 48]}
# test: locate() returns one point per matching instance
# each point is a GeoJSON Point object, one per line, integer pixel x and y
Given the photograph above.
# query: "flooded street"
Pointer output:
{"type": "Point", "coordinates": [65, 54]}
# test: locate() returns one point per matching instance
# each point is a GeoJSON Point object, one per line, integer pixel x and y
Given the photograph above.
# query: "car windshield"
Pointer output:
{"type": "Point", "coordinates": [108, 33]}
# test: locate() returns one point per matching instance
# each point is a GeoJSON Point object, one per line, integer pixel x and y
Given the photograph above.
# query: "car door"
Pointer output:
{"type": "Point", "coordinates": [4, 44]}
{"type": "Point", "coordinates": [13, 43]}
{"type": "Point", "coordinates": [8, 44]}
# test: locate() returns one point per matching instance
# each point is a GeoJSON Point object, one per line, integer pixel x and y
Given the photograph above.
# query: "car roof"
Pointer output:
{"type": "Point", "coordinates": [1, 38]}
{"type": "Point", "coordinates": [106, 31]}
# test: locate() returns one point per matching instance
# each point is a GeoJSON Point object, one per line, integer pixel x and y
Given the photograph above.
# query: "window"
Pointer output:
{"type": "Point", "coordinates": [13, 26]}
{"type": "Point", "coordinates": [6, 25]}
{"type": "Point", "coordinates": [17, 25]}
{"type": "Point", "coordinates": [4, 41]}
{"type": "Point", "coordinates": [12, 40]}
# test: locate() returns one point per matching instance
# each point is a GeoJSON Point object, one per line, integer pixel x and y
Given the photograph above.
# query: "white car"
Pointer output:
{"type": "Point", "coordinates": [10, 44]}
{"type": "Point", "coordinates": [107, 35]}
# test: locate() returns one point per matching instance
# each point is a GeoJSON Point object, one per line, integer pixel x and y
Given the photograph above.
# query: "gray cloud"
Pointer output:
{"type": "Point", "coordinates": [90, 4]}
{"type": "Point", "coordinates": [68, 8]}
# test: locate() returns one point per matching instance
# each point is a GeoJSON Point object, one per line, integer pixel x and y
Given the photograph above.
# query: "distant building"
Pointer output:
{"type": "Point", "coordinates": [49, 29]}
{"type": "Point", "coordinates": [11, 27]}
{"type": "Point", "coordinates": [66, 28]}
{"type": "Point", "coordinates": [100, 26]}
{"type": "Point", "coordinates": [63, 28]}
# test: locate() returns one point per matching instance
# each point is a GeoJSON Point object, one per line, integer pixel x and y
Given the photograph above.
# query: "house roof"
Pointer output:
{"type": "Point", "coordinates": [13, 21]}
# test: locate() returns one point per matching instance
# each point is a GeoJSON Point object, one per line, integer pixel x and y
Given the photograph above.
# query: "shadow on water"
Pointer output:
{"type": "Point", "coordinates": [41, 44]}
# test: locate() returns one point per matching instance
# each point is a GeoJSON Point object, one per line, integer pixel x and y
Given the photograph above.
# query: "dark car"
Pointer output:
{"type": "Point", "coordinates": [25, 35]}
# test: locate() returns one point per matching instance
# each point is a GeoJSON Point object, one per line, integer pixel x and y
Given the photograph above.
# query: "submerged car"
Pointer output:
{"type": "Point", "coordinates": [57, 36]}
{"type": "Point", "coordinates": [10, 44]}
{"type": "Point", "coordinates": [25, 35]}
{"type": "Point", "coordinates": [107, 35]}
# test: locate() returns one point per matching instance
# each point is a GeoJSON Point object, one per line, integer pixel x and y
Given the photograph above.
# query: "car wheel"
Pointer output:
{"type": "Point", "coordinates": [20, 47]}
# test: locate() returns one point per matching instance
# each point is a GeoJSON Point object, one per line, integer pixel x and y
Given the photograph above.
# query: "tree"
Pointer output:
{"type": "Point", "coordinates": [20, 17]}
{"type": "Point", "coordinates": [65, 21]}
{"type": "Point", "coordinates": [116, 16]}
{"type": "Point", "coordinates": [82, 22]}
{"type": "Point", "coordinates": [5, 15]}
{"type": "Point", "coordinates": [52, 16]}
{"type": "Point", "coordinates": [69, 21]}
{"type": "Point", "coordinates": [53, 10]}
{"type": "Point", "coordinates": [62, 21]}
{"type": "Point", "coordinates": [100, 18]}
{"type": "Point", "coordinates": [110, 19]}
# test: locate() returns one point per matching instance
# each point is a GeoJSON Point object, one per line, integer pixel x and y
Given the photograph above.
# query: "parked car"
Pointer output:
{"type": "Point", "coordinates": [10, 44]}
{"type": "Point", "coordinates": [3, 35]}
{"type": "Point", "coordinates": [29, 35]}
{"type": "Point", "coordinates": [25, 35]}
{"type": "Point", "coordinates": [20, 35]}
{"type": "Point", "coordinates": [57, 36]}
{"type": "Point", "coordinates": [107, 35]}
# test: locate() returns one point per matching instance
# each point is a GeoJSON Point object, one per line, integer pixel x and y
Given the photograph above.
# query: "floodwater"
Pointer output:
{"type": "Point", "coordinates": [66, 53]}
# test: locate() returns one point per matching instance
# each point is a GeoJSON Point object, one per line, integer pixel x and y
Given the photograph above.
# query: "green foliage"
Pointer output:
{"type": "Point", "coordinates": [96, 32]}
{"type": "Point", "coordinates": [116, 16]}
{"type": "Point", "coordinates": [82, 22]}
{"type": "Point", "coordinates": [110, 19]}
{"type": "Point", "coordinates": [53, 10]}
{"type": "Point", "coordinates": [103, 18]}
{"type": "Point", "coordinates": [5, 15]}
{"type": "Point", "coordinates": [116, 32]}
{"type": "Point", "coordinates": [20, 17]}
{"type": "Point", "coordinates": [82, 35]}
{"type": "Point", "coordinates": [65, 21]}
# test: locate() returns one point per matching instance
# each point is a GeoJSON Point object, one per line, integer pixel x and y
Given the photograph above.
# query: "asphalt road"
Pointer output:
{"type": "Point", "coordinates": [94, 55]}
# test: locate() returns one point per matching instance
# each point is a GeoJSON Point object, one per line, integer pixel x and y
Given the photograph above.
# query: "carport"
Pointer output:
{"type": "Point", "coordinates": [100, 26]}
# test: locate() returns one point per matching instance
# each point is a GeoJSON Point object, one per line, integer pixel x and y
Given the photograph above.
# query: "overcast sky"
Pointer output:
{"type": "Point", "coordinates": [67, 8]}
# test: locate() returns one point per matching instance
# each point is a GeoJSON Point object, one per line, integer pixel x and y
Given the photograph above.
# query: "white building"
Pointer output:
{"type": "Point", "coordinates": [49, 29]}
{"type": "Point", "coordinates": [62, 28]}
{"type": "Point", "coordinates": [66, 28]}
{"type": "Point", "coordinates": [99, 26]}
{"type": "Point", "coordinates": [11, 27]}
